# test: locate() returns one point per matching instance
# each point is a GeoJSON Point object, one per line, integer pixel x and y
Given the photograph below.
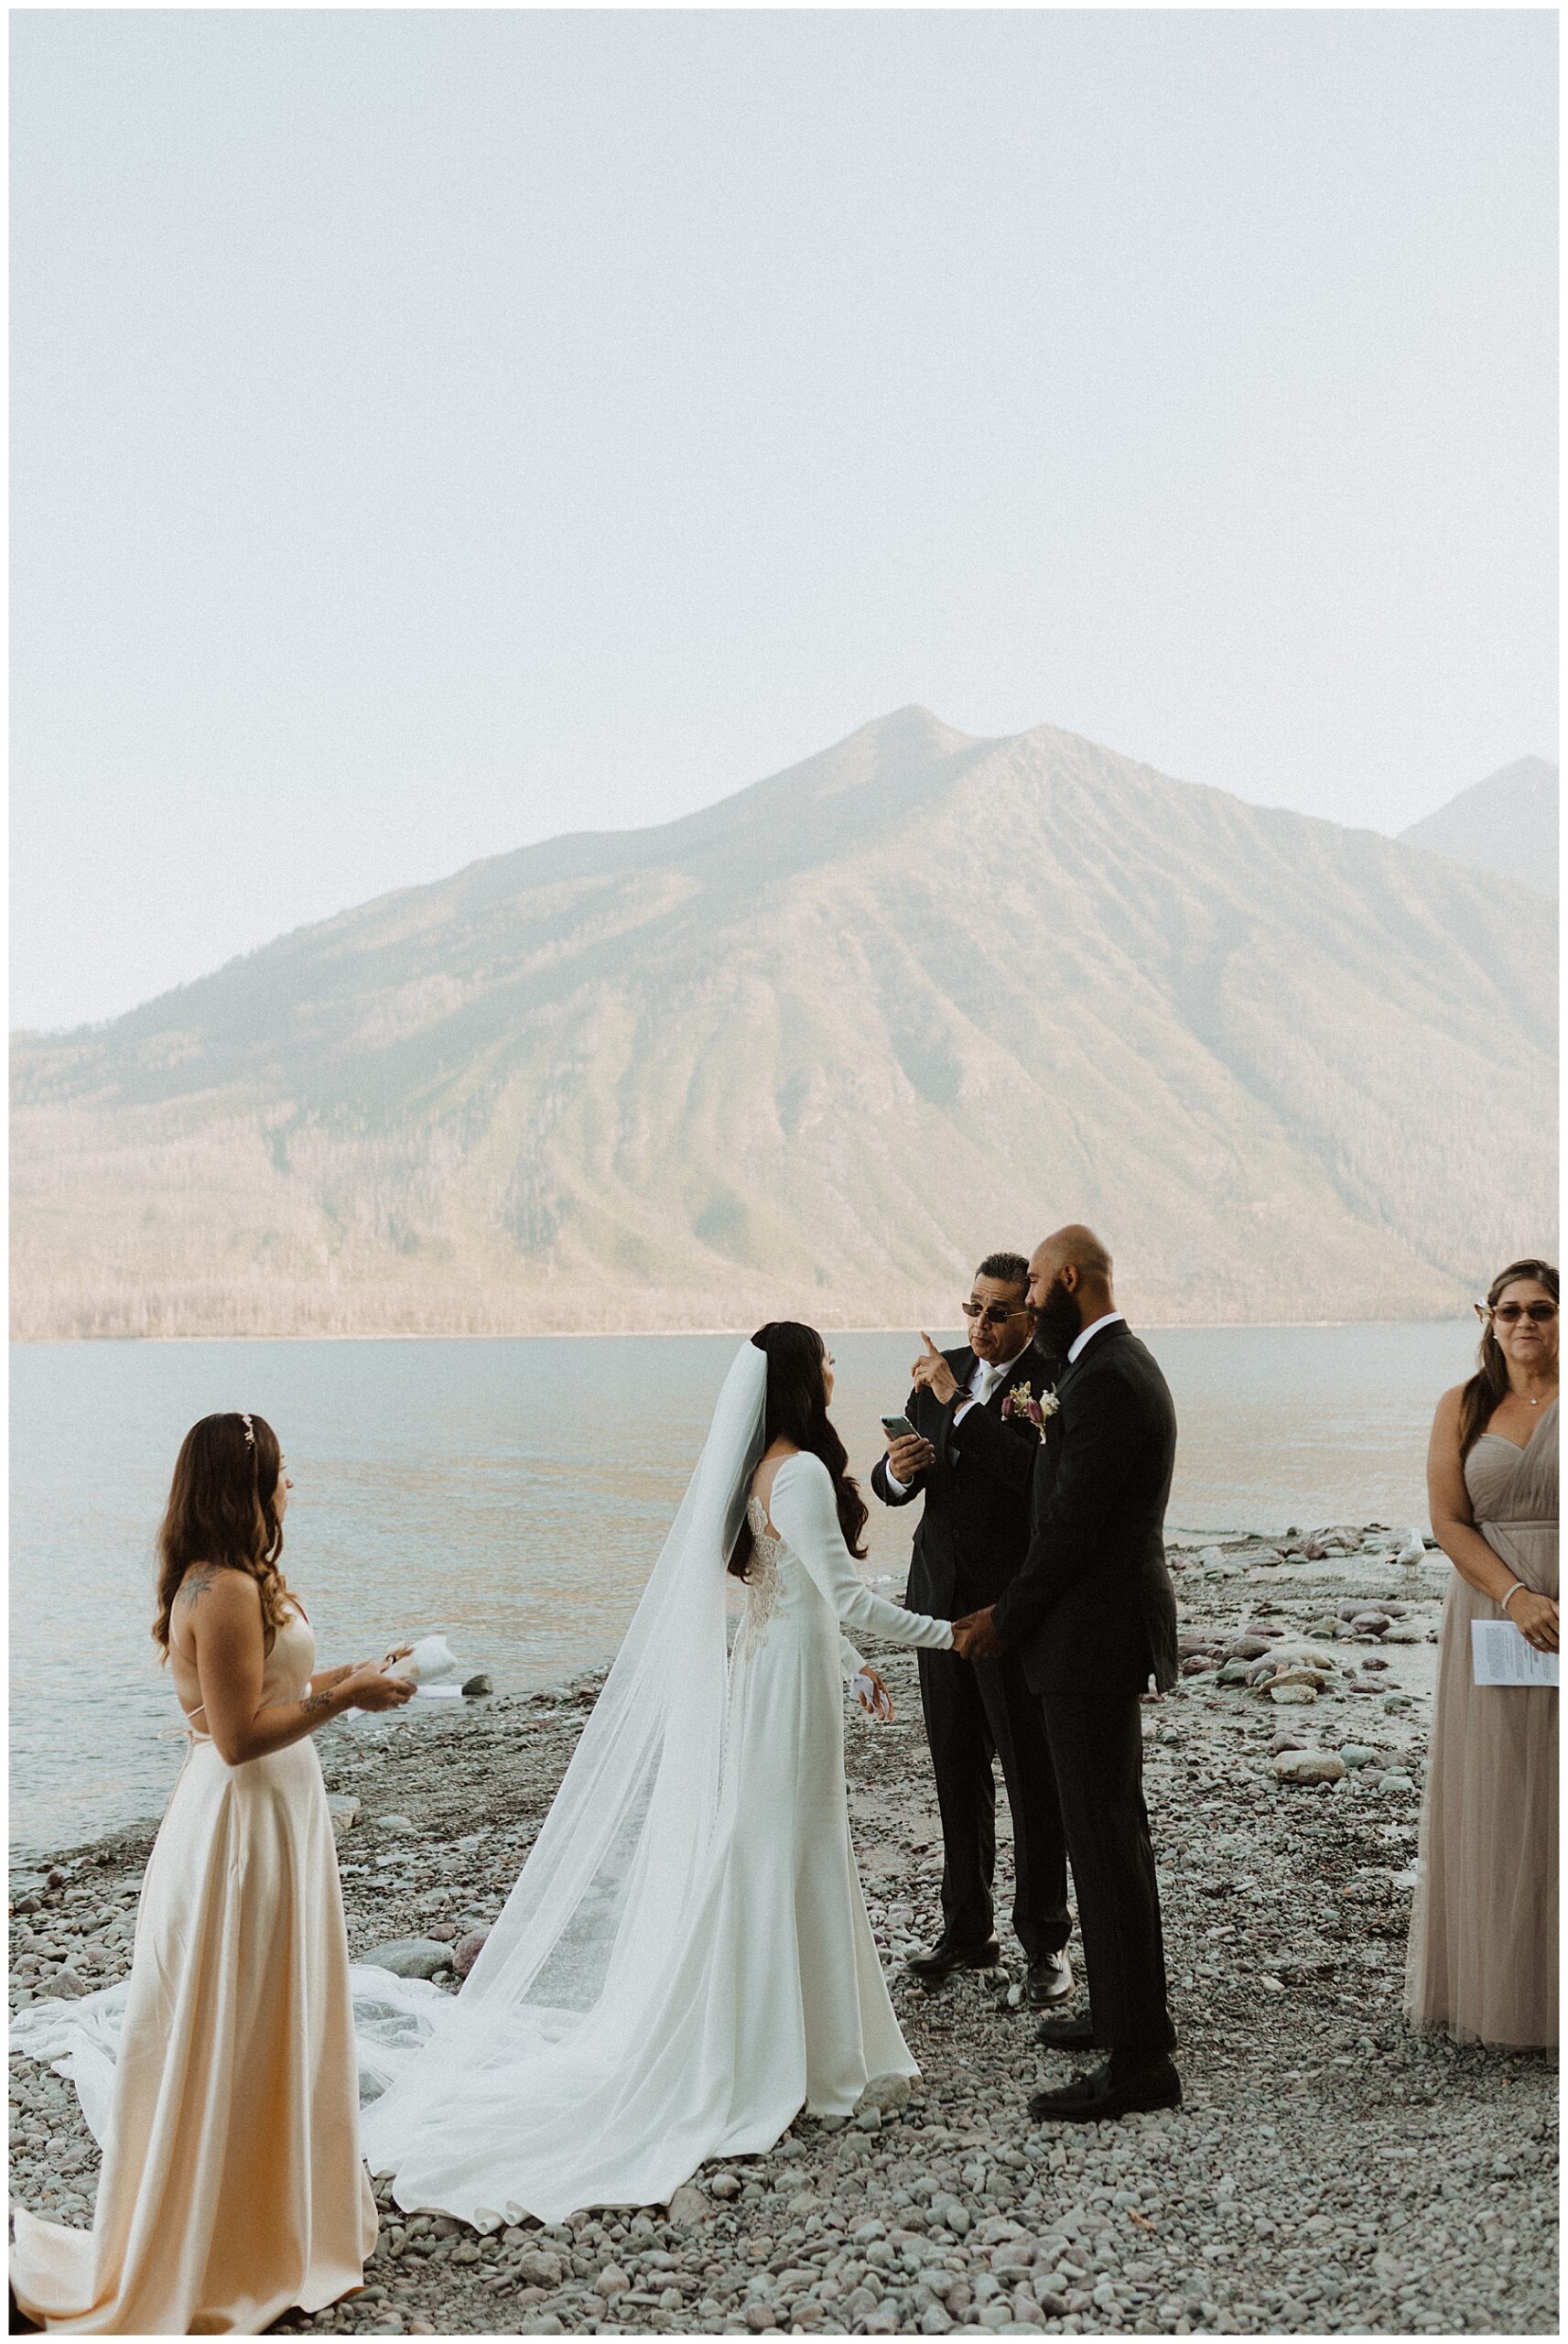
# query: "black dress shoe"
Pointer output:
{"type": "Point", "coordinates": [1069, 2034]}
{"type": "Point", "coordinates": [944, 1958]}
{"type": "Point", "coordinates": [1050, 1980]}
{"type": "Point", "coordinates": [1093, 2099]}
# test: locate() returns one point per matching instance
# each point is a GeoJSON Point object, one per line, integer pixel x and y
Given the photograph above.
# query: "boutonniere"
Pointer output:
{"type": "Point", "coordinates": [1020, 1402]}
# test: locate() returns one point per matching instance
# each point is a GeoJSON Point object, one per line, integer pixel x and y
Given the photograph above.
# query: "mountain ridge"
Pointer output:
{"type": "Point", "coordinates": [1505, 824]}
{"type": "Point", "coordinates": [573, 854]}
{"type": "Point", "coordinates": [810, 1049]}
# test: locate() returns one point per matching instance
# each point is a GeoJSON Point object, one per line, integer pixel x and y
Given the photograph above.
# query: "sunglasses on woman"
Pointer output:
{"type": "Point", "coordinates": [1540, 1314]}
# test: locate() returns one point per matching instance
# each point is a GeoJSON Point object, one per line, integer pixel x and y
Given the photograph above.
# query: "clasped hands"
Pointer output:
{"type": "Point", "coordinates": [975, 1636]}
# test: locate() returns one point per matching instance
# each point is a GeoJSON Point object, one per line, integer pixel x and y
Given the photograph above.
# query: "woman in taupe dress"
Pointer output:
{"type": "Point", "coordinates": [1483, 1954]}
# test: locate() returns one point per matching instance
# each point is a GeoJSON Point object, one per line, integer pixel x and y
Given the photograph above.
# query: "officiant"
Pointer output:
{"type": "Point", "coordinates": [977, 1413]}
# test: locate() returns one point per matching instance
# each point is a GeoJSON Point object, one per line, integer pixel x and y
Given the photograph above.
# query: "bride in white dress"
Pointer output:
{"type": "Point", "coordinates": [686, 1961]}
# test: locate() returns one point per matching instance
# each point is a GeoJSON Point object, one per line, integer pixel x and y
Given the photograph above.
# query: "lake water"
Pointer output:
{"type": "Point", "coordinates": [514, 1494]}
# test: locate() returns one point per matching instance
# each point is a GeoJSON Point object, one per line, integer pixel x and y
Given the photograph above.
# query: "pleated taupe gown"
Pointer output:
{"type": "Point", "coordinates": [1483, 1952]}
{"type": "Point", "coordinates": [231, 2185]}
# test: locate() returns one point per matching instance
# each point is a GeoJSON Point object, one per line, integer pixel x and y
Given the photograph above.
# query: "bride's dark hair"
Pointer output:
{"type": "Point", "coordinates": [796, 1410]}
{"type": "Point", "coordinates": [1489, 1387]}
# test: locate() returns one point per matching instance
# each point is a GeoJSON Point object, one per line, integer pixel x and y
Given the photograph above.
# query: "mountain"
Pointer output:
{"type": "Point", "coordinates": [811, 1052]}
{"type": "Point", "coordinates": [1506, 825]}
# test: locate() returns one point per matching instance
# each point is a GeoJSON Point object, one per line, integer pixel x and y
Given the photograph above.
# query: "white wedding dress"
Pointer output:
{"type": "Point", "coordinates": [685, 1960]}
{"type": "Point", "coordinates": [711, 1983]}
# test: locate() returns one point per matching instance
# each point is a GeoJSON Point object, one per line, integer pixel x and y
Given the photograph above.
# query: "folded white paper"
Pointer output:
{"type": "Point", "coordinates": [1502, 1656]}
{"type": "Point", "coordinates": [431, 1658]}
{"type": "Point", "coordinates": [431, 1667]}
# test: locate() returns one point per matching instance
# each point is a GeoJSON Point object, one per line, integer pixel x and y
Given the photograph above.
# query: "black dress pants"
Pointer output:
{"type": "Point", "coordinates": [1096, 1745]}
{"type": "Point", "coordinates": [977, 1711]}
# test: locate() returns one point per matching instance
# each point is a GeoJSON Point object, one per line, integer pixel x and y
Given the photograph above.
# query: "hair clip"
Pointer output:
{"type": "Point", "coordinates": [250, 1436]}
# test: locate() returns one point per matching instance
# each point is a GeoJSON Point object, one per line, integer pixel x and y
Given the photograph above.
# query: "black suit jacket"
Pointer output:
{"type": "Point", "coordinates": [1092, 1609]}
{"type": "Point", "coordinates": [974, 1529]}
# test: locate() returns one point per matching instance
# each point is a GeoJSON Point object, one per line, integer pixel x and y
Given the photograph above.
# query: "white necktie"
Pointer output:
{"type": "Point", "coordinates": [986, 1382]}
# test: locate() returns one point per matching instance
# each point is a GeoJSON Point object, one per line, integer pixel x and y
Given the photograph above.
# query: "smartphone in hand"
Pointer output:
{"type": "Point", "coordinates": [899, 1429]}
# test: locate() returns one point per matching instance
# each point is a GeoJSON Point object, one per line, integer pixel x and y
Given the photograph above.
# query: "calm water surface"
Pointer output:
{"type": "Point", "coordinates": [514, 1494]}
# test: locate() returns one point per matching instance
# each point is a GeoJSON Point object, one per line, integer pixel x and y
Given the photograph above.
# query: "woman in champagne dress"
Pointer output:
{"type": "Point", "coordinates": [1483, 1954]}
{"type": "Point", "coordinates": [231, 2185]}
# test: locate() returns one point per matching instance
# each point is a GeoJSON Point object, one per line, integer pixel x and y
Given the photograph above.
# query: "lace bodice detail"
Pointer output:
{"type": "Point", "coordinates": [761, 1579]}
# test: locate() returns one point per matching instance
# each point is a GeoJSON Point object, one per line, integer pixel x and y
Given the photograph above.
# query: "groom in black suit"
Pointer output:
{"type": "Point", "coordinates": [972, 1461]}
{"type": "Point", "coordinates": [1092, 1617]}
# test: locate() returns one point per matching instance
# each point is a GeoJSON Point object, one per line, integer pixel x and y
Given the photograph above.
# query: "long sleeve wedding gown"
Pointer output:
{"type": "Point", "coordinates": [750, 1987]}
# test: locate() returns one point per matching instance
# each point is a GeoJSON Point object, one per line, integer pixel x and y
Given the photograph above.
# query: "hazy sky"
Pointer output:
{"type": "Point", "coordinates": [433, 431]}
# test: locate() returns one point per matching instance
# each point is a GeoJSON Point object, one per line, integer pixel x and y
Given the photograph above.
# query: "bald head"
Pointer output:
{"type": "Point", "coordinates": [1075, 1248]}
{"type": "Point", "coordinates": [1069, 1285]}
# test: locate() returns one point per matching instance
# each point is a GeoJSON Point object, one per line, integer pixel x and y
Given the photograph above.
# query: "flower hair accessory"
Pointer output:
{"type": "Point", "coordinates": [250, 1435]}
{"type": "Point", "coordinates": [1020, 1402]}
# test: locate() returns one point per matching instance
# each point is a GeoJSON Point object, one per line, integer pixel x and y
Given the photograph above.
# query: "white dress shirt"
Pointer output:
{"type": "Point", "coordinates": [984, 1377]}
{"type": "Point", "coordinates": [1081, 1340]}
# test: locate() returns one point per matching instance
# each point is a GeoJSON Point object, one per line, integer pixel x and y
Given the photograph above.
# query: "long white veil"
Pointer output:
{"type": "Point", "coordinates": [568, 1979]}
{"type": "Point", "coordinates": [631, 1822]}
{"type": "Point", "coordinates": [481, 2098]}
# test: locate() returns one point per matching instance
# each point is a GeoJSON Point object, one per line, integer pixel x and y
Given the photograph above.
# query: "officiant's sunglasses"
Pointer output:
{"type": "Point", "coordinates": [1542, 1313]}
{"type": "Point", "coordinates": [996, 1314]}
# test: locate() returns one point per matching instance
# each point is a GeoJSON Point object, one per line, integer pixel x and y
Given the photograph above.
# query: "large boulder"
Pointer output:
{"type": "Point", "coordinates": [1309, 1766]}
{"type": "Point", "coordinates": [412, 1956]}
{"type": "Point", "coordinates": [886, 2092]}
{"type": "Point", "coordinates": [540, 2268]}
{"type": "Point", "coordinates": [1299, 1652]}
{"type": "Point", "coordinates": [466, 1951]}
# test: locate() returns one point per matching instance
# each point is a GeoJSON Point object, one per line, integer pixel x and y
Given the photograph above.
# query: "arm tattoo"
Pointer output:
{"type": "Point", "coordinates": [317, 1702]}
{"type": "Point", "coordinates": [195, 1584]}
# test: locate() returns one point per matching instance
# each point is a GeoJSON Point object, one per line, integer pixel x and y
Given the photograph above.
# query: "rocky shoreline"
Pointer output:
{"type": "Point", "coordinates": [1329, 2172]}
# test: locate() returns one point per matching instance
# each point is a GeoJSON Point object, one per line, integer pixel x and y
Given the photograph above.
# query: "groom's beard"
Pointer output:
{"type": "Point", "coordinates": [1056, 1322]}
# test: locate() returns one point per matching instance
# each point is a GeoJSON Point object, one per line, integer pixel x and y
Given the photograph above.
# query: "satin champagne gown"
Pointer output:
{"type": "Point", "coordinates": [231, 2185]}
{"type": "Point", "coordinates": [1483, 1953]}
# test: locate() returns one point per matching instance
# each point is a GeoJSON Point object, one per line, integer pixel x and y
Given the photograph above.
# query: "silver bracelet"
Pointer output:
{"type": "Point", "coordinates": [1519, 1588]}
